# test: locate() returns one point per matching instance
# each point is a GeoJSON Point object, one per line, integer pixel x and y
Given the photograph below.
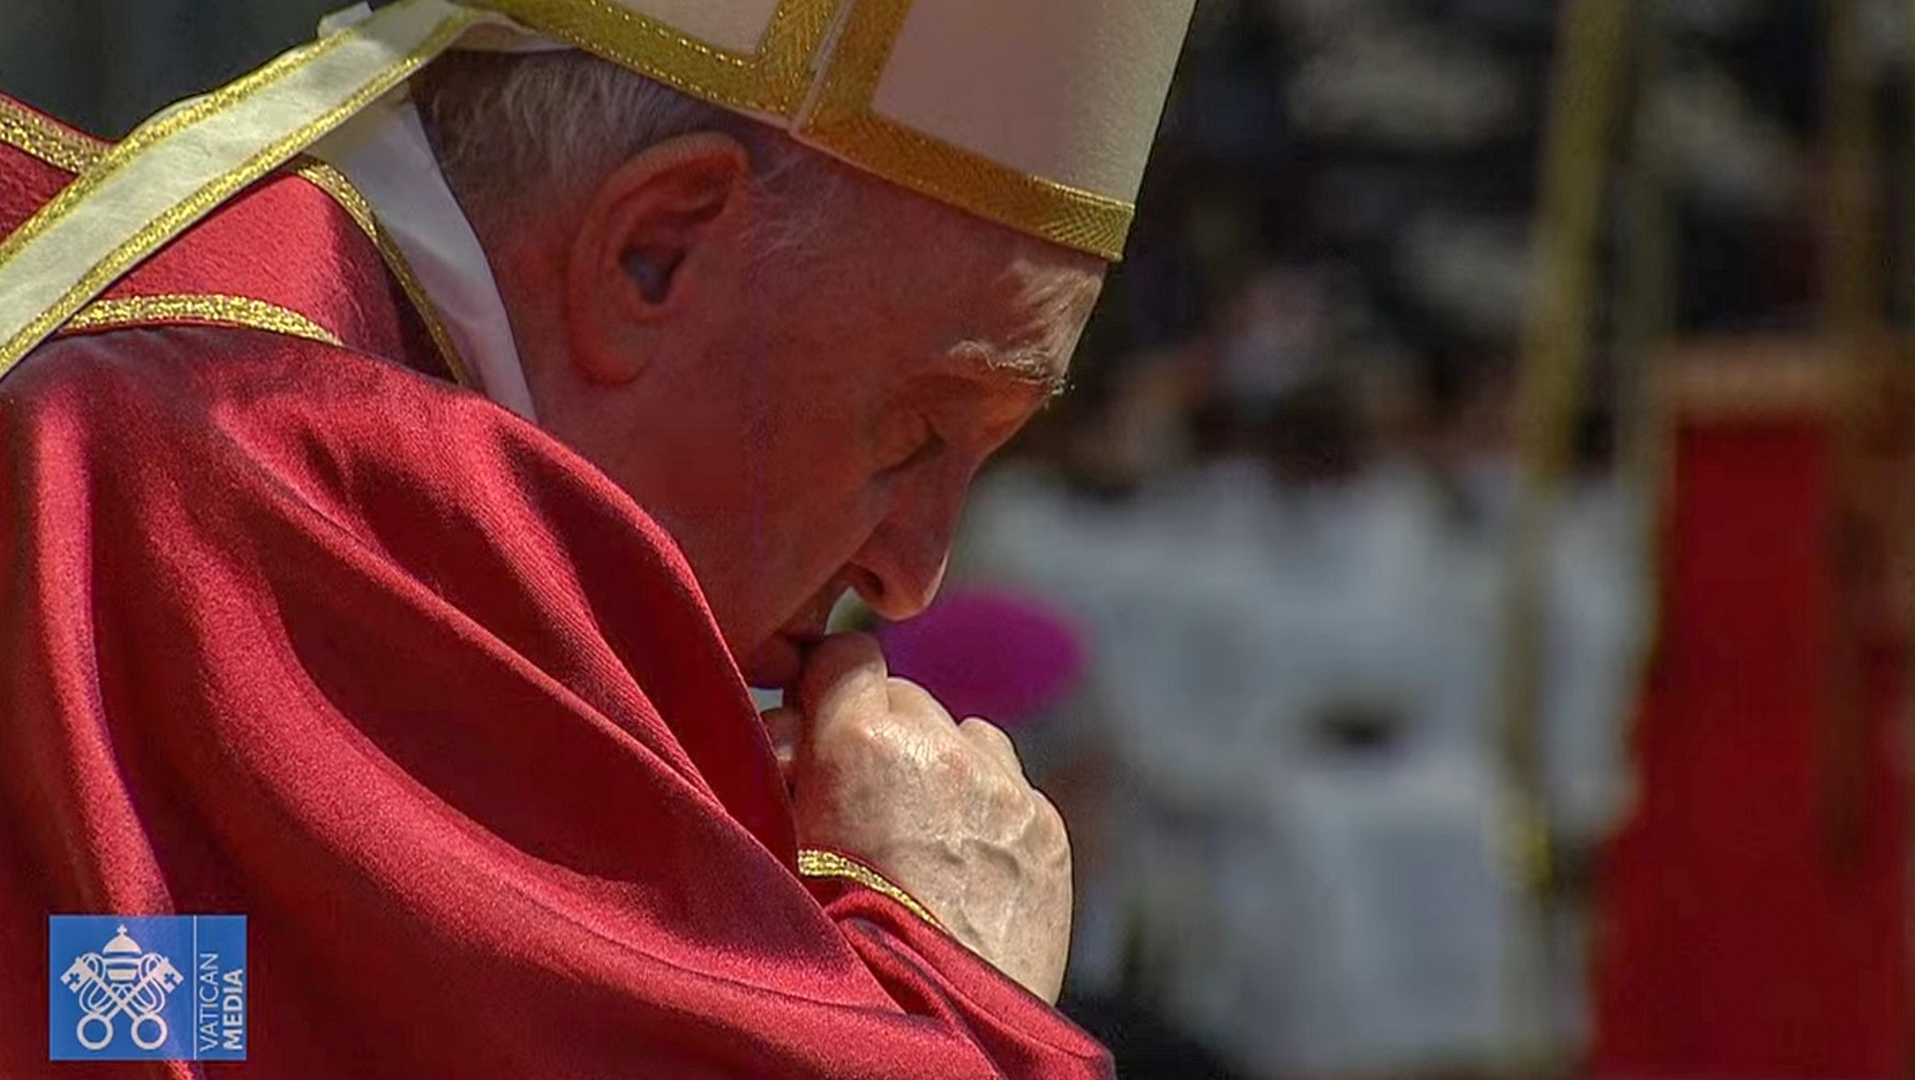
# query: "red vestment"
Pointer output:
{"type": "Point", "coordinates": [302, 631]}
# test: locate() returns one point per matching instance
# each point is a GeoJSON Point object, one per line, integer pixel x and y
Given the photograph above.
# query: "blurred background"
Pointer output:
{"type": "Point", "coordinates": [1461, 603]}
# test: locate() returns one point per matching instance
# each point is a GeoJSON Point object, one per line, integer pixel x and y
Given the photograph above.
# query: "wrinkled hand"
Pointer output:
{"type": "Point", "coordinates": [879, 771]}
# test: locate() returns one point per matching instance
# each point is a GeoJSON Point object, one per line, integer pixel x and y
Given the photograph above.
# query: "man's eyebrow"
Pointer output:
{"type": "Point", "coordinates": [1034, 367]}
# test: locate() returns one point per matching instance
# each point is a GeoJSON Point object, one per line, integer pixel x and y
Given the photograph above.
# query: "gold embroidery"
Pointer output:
{"type": "Point", "coordinates": [161, 127]}
{"type": "Point", "coordinates": [333, 183]}
{"type": "Point", "coordinates": [830, 864]}
{"type": "Point", "coordinates": [47, 141]}
{"type": "Point", "coordinates": [75, 153]}
{"type": "Point", "coordinates": [843, 122]}
{"type": "Point", "coordinates": [241, 311]}
{"type": "Point", "coordinates": [169, 223]}
{"type": "Point", "coordinates": [773, 79]}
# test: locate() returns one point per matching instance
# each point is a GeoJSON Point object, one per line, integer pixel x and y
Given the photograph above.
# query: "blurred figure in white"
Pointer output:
{"type": "Point", "coordinates": [1293, 693]}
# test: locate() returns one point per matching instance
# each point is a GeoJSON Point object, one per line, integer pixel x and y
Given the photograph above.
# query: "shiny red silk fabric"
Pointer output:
{"type": "Point", "coordinates": [292, 631]}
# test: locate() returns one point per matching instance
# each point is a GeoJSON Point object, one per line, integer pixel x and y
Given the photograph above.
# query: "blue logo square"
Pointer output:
{"type": "Point", "coordinates": [146, 988]}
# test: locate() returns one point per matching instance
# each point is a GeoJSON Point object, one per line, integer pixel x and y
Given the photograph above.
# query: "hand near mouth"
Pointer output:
{"type": "Point", "coordinates": [880, 771]}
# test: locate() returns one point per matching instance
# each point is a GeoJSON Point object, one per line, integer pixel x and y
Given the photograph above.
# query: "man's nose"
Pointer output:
{"type": "Point", "coordinates": [899, 569]}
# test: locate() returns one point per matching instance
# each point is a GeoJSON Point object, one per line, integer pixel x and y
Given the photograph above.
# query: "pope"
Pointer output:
{"type": "Point", "coordinates": [414, 449]}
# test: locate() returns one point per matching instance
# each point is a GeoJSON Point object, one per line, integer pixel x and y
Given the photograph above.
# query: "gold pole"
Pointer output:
{"type": "Point", "coordinates": [1592, 37]}
{"type": "Point", "coordinates": [1905, 350]}
{"type": "Point", "coordinates": [1856, 297]}
{"type": "Point", "coordinates": [1853, 282]}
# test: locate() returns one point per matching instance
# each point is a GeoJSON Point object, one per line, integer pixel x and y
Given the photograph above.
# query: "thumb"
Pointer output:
{"type": "Point", "coordinates": [844, 673]}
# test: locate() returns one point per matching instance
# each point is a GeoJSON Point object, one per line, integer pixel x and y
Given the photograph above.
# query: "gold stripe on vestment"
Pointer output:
{"type": "Point", "coordinates": [830, 864]}
{"type": "Point", "coordinates": [213, 309]}
{"type": "Point", "coordinates": [152, 183]}
{"type": "Point", "coordinates": [47, 141]}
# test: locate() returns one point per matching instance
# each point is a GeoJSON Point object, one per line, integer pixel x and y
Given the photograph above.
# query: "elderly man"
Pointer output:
{"type": "Point", "coordinates": [391, 532]}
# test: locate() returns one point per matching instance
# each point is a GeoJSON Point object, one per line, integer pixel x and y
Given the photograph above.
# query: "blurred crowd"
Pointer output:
{"type": "Point", "coordinates": [1276, 508]}
{"type": "Point", "coordinates": [1281, 755]}
{"type": "Point", "coordinates": [1242, 591]}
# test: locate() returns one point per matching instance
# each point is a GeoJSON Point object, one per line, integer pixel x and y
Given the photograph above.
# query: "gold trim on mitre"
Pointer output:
{"type": "Point", "coordinates": [176, 168]}
{"type": "Point", "coordinates": [773, 79]}
{"type": "Point", "coordinates": [842, 122]}
{"type": "Point", "coordinates": [832, 109]}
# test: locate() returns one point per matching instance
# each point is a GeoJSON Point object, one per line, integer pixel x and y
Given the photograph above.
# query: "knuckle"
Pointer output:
{"type": "Point", "coordinates": [1052, 817]}
{"type": "Point", "coordinates": [993, 737]}
{"type": "Point", "coordinates": [844, 737]}
{"type": "Point", "coordinates": [983, 728]}
{"type": "Point", "coordinates": [1005, 797]}
{"type": "Point", "coordinates": [1050, 824]}
{"type": "Point", "coordinates": [861, 742]}
{"type": "Point", "coordinates": [908, 697]}
{"type": "Point", "coordinates": [1045, 818]}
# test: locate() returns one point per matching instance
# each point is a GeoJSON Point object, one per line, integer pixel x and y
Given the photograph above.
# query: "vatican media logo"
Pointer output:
{"type": "Point", "coordinates": [122, 979]}
{"type": "Point", "coordinates": [159, 988]}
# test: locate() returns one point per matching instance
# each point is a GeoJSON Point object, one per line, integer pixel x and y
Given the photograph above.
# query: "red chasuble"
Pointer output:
{"type": "Point", "coordinates": [293, 627]}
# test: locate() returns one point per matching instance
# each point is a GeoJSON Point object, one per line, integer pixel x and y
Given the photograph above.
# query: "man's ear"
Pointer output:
{"type": "Point", "coordinates": [656, 238]}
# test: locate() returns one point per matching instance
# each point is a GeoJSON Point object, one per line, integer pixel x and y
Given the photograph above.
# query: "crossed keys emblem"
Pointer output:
{"type": "Point", "coordinates": [121, 978]}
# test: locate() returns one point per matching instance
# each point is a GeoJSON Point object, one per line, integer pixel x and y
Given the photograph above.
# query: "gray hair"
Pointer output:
{"type": "Point", "coordinates": [553, 126]}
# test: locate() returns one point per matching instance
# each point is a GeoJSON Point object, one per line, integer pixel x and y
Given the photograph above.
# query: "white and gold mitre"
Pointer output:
{"type": "Point", "coordinates": [1037, 114]}
{"type": "Point", "coordinates": [1034, 113]}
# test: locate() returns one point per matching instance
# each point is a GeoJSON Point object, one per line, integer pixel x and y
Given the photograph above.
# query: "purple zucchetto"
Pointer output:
{"type": "Point", "coordinates": [989, 652]}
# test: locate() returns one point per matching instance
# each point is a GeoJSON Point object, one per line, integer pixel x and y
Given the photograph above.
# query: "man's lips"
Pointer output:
{"type": "Point", "coordinates": [803, 639]}
{"type": "Point", "coordinates": [800, 642]}
{"type": "Point", "coordinates": [781, 662]}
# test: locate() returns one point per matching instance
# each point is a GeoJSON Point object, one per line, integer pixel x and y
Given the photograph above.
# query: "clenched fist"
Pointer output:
{"type": "Point", "coordinates": [879, 771]}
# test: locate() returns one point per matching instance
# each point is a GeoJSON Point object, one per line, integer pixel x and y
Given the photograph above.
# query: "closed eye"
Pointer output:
{"type": "Point", "coordinates": [910, 437]}
{"type": "Point", "coordinates": [928, 446]}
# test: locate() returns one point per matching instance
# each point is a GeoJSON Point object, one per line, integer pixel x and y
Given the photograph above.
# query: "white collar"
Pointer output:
{"type": "Point", "coordinates": [385, 153]}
